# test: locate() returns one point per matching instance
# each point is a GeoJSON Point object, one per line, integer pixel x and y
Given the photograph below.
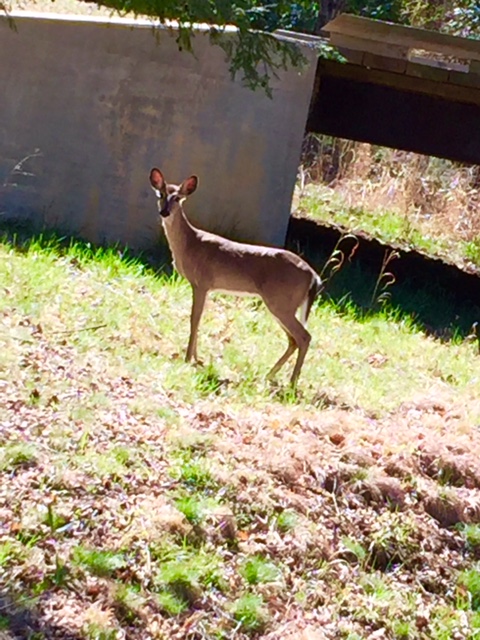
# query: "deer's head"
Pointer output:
{"type": "Point", "coordinates": [170, 196]}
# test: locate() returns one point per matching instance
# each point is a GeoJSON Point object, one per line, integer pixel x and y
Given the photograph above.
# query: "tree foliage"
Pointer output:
{"type": "Point", "coordinates": [252, 51]}
{"type": "Point", "coordinates": [458, 17]}
{"type": "Point", "coordinates": [257, 55]}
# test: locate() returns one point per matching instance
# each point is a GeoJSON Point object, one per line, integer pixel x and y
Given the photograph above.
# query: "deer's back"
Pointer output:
{"type": "Point", "coordinates": [221, 264]}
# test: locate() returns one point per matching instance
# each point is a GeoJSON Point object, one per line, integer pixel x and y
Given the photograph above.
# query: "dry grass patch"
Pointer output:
{"type": "Point", "coordinates": [401, 197]}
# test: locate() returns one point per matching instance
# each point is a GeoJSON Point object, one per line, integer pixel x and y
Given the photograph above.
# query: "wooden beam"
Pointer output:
{"type": "Point", "coordinates": [392, 117]}
{"type": "Point", "coordinates": [385, 49]}
{"type": "Point", "coordinates": [439, 64]}
{"type": "Point", "coordinates": [448, 91]}
{"type": "Point", "coordinates": [403, 36]}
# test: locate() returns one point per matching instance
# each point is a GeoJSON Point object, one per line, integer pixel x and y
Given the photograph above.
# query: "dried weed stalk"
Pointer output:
{"type": "Point", "coordinates": [385, 279]}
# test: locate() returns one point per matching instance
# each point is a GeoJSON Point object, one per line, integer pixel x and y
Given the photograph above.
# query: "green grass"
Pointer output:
{"type": "Point", "coordinates": [470, 580]}
{"type": "Point", "coordinates": [194, 473]}
{"type": "Point", "coordinates": [195, 499]}
{"type": "Point", "coordinates": [471, 533]}
{"type": "Point", "coordinates": [196, 507]}
{"type": "Point", "coordinates": [16, 454]}
{"type": "Point", "coordinates": [94, 631]}
{"type": "Point", "coordinates": [129, 602]}
{"type": "Point", "coordinates": [98, 561]}
{"type": "Point", "coordinates": [183, 574]}
{"type": "Point", "coordinates": [286, 520]}
{"type": "Point", "coordinates": [391, 226]}
{"type": "Point", "coordinates": [256, 570]}
{"type": "Point", "coordinates": [170, 603]}
{"type": "Point", "coordinates": [115, 463]}
{"type": "Point", "coordinates": [118, 312]}
{"type": "Point", "coordinates": [248, 610]}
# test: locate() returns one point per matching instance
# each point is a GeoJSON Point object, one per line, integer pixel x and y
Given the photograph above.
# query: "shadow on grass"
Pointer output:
{"type": "Point", "coordinates": [437, 299]}
{"type": "Point", "coordinates": [22, 236]}
{"type": "Point", "coordinates": [431, 306]}
{"type": "Point", "coordinates": [20, 620]}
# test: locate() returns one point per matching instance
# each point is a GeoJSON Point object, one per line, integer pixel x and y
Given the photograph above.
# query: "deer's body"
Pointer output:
{"type": "Point", "coordinates": [210, 262]}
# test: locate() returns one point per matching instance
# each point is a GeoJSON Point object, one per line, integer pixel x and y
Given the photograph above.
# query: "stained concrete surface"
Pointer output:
{"type": "Point", "coordinates": [89, 105]}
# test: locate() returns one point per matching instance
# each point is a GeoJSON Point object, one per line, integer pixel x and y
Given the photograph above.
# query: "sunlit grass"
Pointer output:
{"type": "Point", "coordinates": [136, 323]}
{"type": "Point", "coordinates": [390, 225]}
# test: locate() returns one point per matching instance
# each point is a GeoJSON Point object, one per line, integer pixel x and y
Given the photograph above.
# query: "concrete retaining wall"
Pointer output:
{"type": "Point", "coordinates": [97, 103]}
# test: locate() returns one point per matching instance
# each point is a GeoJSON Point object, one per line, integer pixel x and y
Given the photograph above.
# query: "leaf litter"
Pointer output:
{"type": "Point", "coordinates": [94, 467]}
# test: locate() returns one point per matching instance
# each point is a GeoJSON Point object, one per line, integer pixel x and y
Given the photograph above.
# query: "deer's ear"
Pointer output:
{"type": "Point", "coordinates": [157, 180]}
{"type": "Point", "coordinates": [188, 186]}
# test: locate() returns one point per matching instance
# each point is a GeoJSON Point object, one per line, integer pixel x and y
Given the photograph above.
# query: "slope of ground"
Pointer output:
{"type": "Point", "coordinates": [144, 498]}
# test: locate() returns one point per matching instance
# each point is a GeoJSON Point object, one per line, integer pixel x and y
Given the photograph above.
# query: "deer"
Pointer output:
{"type": "Point", "coordinates": [210, 262]}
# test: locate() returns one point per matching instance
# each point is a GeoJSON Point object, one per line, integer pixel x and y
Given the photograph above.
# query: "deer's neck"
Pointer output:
{"type": "Point", "coordinates": [180, 235]}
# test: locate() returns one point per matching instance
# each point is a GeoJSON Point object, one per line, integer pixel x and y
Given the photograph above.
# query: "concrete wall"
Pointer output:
{"type": "Point", "coordinates": [98, 103]}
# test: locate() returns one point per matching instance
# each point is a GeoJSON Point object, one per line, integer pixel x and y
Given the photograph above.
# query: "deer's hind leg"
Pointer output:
{"type": "Point", "coordinates": [298, 338]}
{"type": "Point", "coordinates": [292, 346]}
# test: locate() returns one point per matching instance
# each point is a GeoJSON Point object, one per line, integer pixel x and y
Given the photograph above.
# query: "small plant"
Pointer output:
{"type": "Point", "coordinates": [192, 442]}
{"type": "Point", "coordinates": [114, 463]}
{"type": "Point", "coordinates": [471, 533]}
{"type": "Point", "coordinates": [194, 473]}
{"type": "Point", "coordinates": [337, 258]}
{"type": "Point", "coordinates": [257, 569]}
{"type": "Point", "coordinates": [58, 578]}
{"type": "Point", "coordinates": [98, 562]}
{"type": "Point", "coordinates": [169, 415]}
{"type": "Point", "coordinates": [446, 623]}
{"type": "Point", "coordinates": [374, 585]}
{"type": "Point", "coordinates": [208, 380]}
{"type": "Point", "coordinates": [171, 603]}
{"type": "Point", "coordinates": [191, 507]}
{"type": "Point", "coordinates": [475, 623]}
{"type": "Point", "coordinates": [94, 631]}
{"type": "Point", "coordinates": [470, 580]}
{"type": "Point", "coordinates": [472, 251]}
{"type": "Point", "coordinates": [187, 573]}
{"type": "Point", "coordinates": [392, 540]}
{"type": "Point", "coordinates": [385, 279]}
{"type": "Point", "coordinates": [356, 549]}
{"type": "Point", "coordinates": [249, 612]}
{"type": "Point", "coordinates": [19, 454]}
{"type": "Point", "coordinates": [403, 629]}
{"type": "Point", "coordinates": [287, 520]}
{"type": "Point", "coordinates": [60, 574]}
{"type": "Point", "coordinates": [53, 519]}
{"type": "Point", "coordinates": [128, 602]}
{"type": "Point", "coordinates": [8, 552]}
{"type": "Point", "coordinates": [122, 455]}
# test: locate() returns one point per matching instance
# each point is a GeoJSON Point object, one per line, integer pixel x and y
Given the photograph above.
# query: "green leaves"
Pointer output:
{"type": "Point", "coordinates": [253, 53]}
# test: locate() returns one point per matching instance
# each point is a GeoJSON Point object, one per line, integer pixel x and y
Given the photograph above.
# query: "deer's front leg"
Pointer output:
{"type": "Point", "coordinates": [198, 304]}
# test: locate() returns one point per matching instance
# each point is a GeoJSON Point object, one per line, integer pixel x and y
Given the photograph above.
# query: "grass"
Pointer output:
{"type": "Point", "coordinates": [390, 226]}
{"type": "Point", "coordinates": [410, 200]}
{"type": "Point", "coordinates": [248, 610]}
{"type": "Point", "coordinates": [99, 562]}
{"type": "Point", "coordinates": [472, 536]}
{"type": "Point", "coordinates": [17, 454]}
{"type": "Point", "coordinates": [257, 569]}
{"type": "Point", "coordinates": [470, 581]}
{"type": "Point", "coordinates": [143, 496]}
{"type": "Point", "coordinates": [111, 313]}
